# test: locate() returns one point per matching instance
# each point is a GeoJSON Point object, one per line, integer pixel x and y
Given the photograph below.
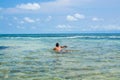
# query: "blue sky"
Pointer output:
{"type": "Point", "coordinates": [59, 16]}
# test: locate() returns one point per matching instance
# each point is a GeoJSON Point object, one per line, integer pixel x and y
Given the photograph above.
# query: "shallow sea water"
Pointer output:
{"type": "Point", "coordinates": [32, 58]}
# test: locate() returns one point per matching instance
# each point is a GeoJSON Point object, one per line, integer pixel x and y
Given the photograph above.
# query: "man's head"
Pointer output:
{"type": "Point", "coordinates": [57, 44]}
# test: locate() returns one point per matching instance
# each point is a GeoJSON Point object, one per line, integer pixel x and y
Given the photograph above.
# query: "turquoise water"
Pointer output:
{"type": "Point", "coordinates": [30, 57]}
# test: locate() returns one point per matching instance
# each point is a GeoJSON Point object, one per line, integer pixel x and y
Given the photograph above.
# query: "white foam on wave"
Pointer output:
{"type": "Point", "coordinates": [69, 37]}
{"type": "Point", "coordinates": [75, 37]}
{"type": "Point", "coordinates": [21, 38]}
{"type": "Point", "coordinates": [94, 37]}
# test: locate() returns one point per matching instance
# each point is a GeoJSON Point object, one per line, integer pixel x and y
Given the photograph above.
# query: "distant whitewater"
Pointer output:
{"type": "Point", "coordinates": [80, 36]}
{"type": "Point", "coordinates": [30, 57]}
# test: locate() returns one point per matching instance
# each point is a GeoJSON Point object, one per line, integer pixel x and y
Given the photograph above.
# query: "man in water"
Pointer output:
{"type": "Point", "coordinates": [59, 48]}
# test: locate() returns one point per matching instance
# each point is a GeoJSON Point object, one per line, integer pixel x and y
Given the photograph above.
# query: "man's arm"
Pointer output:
{"type": "Point", "coordinates": [63, 46]}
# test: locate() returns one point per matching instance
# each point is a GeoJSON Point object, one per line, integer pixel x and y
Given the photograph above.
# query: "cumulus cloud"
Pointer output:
{"type": "Point", "coordinates": [97, 19]}
{"type": "Point", "coordinates": [29, 6]}
{"type": "Point", "coordinates": [27, 19]}
{"type": "Point", "coordinates": [54, 6]}
{"type": "Point", "coordinates": [64, 27]}
{"type": "Point", "coordinates": [71, 18]}
{"type": "Point", "coordinates": [75, 17]}
{"type": "Point", "coordinates": [79, 16]}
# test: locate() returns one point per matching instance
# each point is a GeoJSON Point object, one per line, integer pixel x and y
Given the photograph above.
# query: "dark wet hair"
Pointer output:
{"type": "Point", "coordinates": [57, 44]}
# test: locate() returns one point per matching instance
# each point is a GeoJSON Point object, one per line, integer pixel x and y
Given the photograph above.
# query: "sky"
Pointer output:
{"type": "Point", "coordinates": [59, 16]}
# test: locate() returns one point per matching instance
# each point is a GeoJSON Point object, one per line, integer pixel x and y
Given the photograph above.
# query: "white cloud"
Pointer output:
{"type": "Point", "coordinates": [79, 16]}
{"type": "Point", "coordinates": [64, 27]}
{"type": "Point", "coordinates": [104, 28]}
{"type": "Point", "coordinates": [54, 6]}
{"type": "Point", "coordinates": [112, 27]}
{"type": "Point", "coordinates": [49, 18]}
{"type": "Point", "coordinates": [29, 6]}
{"type": "Point", "coordinates": [71, 18]}
{"type": "Point", "coordinates": [97, 19]}
{"type": "Point", "coordinates": [75, 17]}
{"type": "Point", "coordinates": [27, 19]}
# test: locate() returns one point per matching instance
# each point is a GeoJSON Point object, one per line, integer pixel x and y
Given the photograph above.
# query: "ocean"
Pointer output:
{"type": "Point", "coordinates": [94, 56]}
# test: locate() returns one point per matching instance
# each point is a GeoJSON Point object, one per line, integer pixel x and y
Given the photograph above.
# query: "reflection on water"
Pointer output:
{"type": "Point", "coordinates": [34, 60]}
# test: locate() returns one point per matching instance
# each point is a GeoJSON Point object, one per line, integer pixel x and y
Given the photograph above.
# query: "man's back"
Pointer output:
{"type": "Point", "coordinates": [57, 49]}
